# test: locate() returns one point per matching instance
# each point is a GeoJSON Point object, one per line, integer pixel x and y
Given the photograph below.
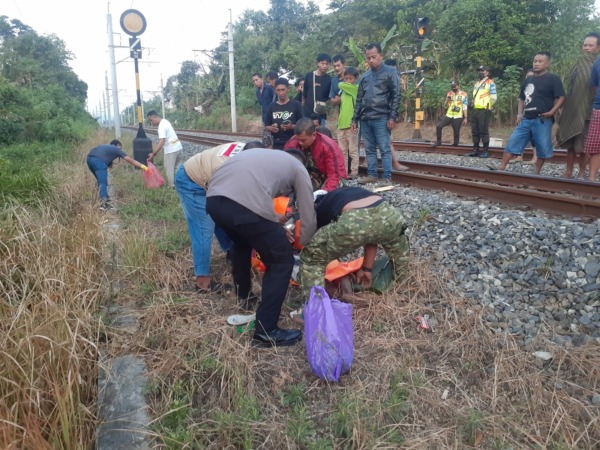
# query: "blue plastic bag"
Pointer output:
{"type": "Point", "coordinates": [329, 335]}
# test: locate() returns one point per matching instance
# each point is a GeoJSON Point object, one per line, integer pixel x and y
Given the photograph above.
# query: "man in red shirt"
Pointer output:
{"type": "Point", "coordinates": [325, 161]}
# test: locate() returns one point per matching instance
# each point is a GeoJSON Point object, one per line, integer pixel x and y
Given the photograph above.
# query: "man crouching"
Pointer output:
{"type": "Point", "coordinates": [348, 218]}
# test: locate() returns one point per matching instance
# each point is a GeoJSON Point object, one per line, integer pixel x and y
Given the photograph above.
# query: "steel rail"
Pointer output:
{"type": "Point", "coordinates": [554, 195]}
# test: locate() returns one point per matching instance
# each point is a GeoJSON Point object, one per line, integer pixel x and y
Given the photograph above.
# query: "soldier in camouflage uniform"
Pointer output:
{"type": "Point", "coordinates": [348, 218]}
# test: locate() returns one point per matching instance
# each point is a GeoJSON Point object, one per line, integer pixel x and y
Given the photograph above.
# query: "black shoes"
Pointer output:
{"type": "Point", "coordinates": [484, 154]}
{"type": "Point", "coordinates": [436, 144]}
{"type": "Point", "coordinates": [277, 337]}
{"type": "Point", "coordinates": [473, 154]}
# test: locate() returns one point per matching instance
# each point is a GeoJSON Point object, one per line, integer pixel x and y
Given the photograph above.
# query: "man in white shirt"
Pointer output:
{"type": "Point", "coordinates": [168, 141]}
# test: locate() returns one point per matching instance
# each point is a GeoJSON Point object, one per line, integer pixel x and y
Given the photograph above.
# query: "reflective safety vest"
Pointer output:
{"type": "Point", "coordinates": [484, 94]}
{"type": "Point", "coordinates": [457, 104]}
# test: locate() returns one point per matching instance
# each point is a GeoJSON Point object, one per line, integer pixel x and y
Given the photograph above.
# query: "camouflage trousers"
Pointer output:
{"type": "Point", "coordinates": [382, 225]}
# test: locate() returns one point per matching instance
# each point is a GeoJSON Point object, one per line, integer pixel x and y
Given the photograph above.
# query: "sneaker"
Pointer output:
{"type": "Point", "coordinates": [473, 154]}
{"type": "Point", "coordinates": [368, 179]}
{"type": "Point", "coordinates": [484, 155]}
{"type": "Point", "coordinates": [385, 182]}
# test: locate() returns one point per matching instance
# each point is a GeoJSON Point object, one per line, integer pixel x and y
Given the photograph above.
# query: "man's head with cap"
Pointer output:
{"type": "Point", "coordinates": [454, 85]}
{"type": "Point", "coordinates": [483, 71]}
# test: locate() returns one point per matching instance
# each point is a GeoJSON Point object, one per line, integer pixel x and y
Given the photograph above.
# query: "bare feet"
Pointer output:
{"type": "Point", "coordinates": [397, 166]}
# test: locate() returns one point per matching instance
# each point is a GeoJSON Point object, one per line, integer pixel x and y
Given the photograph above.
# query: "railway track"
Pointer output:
{"type": "Point", "coordinates": [554, 195]}
{"type": "Point", "coordinates": [560, 155]}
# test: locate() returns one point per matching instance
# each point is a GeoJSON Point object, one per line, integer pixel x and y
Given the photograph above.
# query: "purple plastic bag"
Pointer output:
{"type": "Point", "coordinates": [329, 335]}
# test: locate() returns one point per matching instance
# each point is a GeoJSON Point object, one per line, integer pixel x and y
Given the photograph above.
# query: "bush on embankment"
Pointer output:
{"type": "Point", "coordinates": [51, 284]}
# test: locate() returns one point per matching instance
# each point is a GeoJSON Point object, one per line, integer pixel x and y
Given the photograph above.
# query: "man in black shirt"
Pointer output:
{"type": "Point", "coordinates": [317, 85]}
{"type": "Point", "coordinates": [348, 218]}
{"type": "Point", "coordinates": [282, 115]}
{"type": "Point", "coordinates": [541, 97]}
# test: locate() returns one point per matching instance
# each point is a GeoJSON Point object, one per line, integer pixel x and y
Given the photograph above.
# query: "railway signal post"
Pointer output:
{"type": "Point", "coordinates": [133, 23]}
{"type": "Point", "coordinates": [421, 29]}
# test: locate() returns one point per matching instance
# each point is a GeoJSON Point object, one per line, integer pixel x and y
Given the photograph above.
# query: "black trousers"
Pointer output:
{"type": "Point", "coordinates": [480, 122]}
{"type": "Point", "coordinates": [456, 122]}
{"type": "Point", "coordinates": [250, 231]}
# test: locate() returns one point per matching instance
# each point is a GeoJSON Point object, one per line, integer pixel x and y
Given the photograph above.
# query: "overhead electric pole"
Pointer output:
{"type": "Point", "coordinates": [113, 77]}
{"type": "Point", "coordinates": [232, 76]}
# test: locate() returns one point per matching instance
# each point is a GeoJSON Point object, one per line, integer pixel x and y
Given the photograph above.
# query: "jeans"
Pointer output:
{"type": "Point", "coordinates": [250, 231]}
{"type": "Point", "coordinates": [375, 132]}
{"type": "Point", "coordinates": [539, 130]}
{"type": "Point", "coordinates": [200, 224]}
{"type": "Point", "coordinates": [100, 171]}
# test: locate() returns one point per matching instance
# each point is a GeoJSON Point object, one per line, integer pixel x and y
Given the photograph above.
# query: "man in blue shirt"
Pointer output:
{"type": "Point", "coordinates": [264, 95]}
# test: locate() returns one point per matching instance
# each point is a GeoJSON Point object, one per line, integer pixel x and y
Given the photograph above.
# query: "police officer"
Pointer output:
{"type": "Point", "coordinates": [484, 97]}
{"type": "Point", "coordinates": [456, 115]}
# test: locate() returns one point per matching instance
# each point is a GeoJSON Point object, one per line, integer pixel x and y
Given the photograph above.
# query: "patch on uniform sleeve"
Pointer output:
{"type": "Point", "coordinates": [232, 149]}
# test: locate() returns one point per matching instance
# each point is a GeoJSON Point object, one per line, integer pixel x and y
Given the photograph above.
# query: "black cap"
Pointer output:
{"type": "Point", "coordinates": [480, 68]}
{"type": "Point", "coordinates": [454, 83]}
{"type": "Point", "coordinates": [282, 81]}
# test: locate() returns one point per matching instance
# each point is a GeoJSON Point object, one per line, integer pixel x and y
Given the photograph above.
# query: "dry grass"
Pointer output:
{"type": "Point", "coordinates": [211, 389]}
{"type": "Point", "coordinates": [51, 282]}
{"type": "Point", "coordinates": [462, 386]}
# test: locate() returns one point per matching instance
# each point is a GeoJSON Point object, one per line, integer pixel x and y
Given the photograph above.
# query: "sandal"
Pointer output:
{"type": "Point", "coordinates": [240, 319]}
{"type": "Point", "coordinates": [214, 288]}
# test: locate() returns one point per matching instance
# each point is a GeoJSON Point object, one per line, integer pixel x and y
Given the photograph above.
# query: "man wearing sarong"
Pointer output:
{"type": "Point", "coordinates": [576, 112]}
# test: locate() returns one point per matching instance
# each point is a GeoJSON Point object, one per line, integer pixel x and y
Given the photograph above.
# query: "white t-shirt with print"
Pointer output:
{"type": "Point", "coordinates": [166, 132]}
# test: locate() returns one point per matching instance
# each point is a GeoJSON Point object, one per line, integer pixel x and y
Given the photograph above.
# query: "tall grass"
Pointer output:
{"type": "Point", "coordinates": [51, 283]}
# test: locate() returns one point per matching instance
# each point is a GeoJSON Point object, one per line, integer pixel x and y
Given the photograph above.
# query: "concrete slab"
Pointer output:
{"type": "Point", "coordinates": [123, 415]}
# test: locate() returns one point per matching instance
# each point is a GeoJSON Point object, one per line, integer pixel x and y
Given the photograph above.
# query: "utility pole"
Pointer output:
{"type": "Point", "coordinates": [232, 76]}
{"type": "Point", "coordinates": [108, 114]}
{"type": "Point", "coordinates": [162, 95]}
{"type": "Point", "coordinates": [113, 76]}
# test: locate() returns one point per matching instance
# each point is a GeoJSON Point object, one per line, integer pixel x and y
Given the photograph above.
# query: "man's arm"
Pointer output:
{"type": "Point", "coordinates": [396, 93]}
{"type": "Point", "coordinates": [558, 102]}
{"type": "Point", "coordinates": [156, 149]}
{"type": "Point", "coordinates": [520, 111]}
{"type": "Point", "coordinates": [364, 275]}
{"type": "Point", "coordinates": [133, 162]}
{"type": "Point", "coordinates": [358, 105]}
{"type": "Point", "coordinates": [304, 195]}
{"type": "Point", "coordinates": [331, 156]}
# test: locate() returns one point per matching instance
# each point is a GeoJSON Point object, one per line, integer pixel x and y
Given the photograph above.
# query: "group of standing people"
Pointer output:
{"type": "Point", "coordinates": [542, 102]}
{"type": "Point", "coordinates": [369, 103]}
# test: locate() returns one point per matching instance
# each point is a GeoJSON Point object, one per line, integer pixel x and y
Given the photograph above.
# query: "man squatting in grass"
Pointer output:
{"type": "Point", "coordinates": [167, 141]}
{"type": "Point", "coordinates": [541, 97]}
{"type": "Point", "coordinates": [240, 200]}
{"type": "Point", "coordinates": [191, 183]}
{"type": "Point", "coordinates": [100, 159]}
{"type": "Point", "coordinates": [348, 218]}
{"type": "Point", "coordinates": [324, 160]}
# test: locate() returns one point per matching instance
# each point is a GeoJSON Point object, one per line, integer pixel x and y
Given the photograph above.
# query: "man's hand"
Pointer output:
{"type": "Point", "coordinates": [391, 124]}
{"type": "Point", "coordinates": [151, 156]}
{"type": "Point", "coordinates": [465, 121]}
{"type": "Point", "coordinates": [281, 218]}
{"type": "Point", "coordinates": [290, 236]}
{"type": "Point", "coordinates": [354, 128]}
{"type": "Point", "coordinates": [364, 278]}
{"type": "Point", "coordinates": [273, 128]}
{"type": "Point", "coordinates": [547, 115]}
{"type": "Point", "coordinates": [519, 118]}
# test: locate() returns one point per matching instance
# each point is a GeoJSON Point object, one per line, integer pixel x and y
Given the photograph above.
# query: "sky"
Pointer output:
{"type": "Point", "coordinates": [174, 29]}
